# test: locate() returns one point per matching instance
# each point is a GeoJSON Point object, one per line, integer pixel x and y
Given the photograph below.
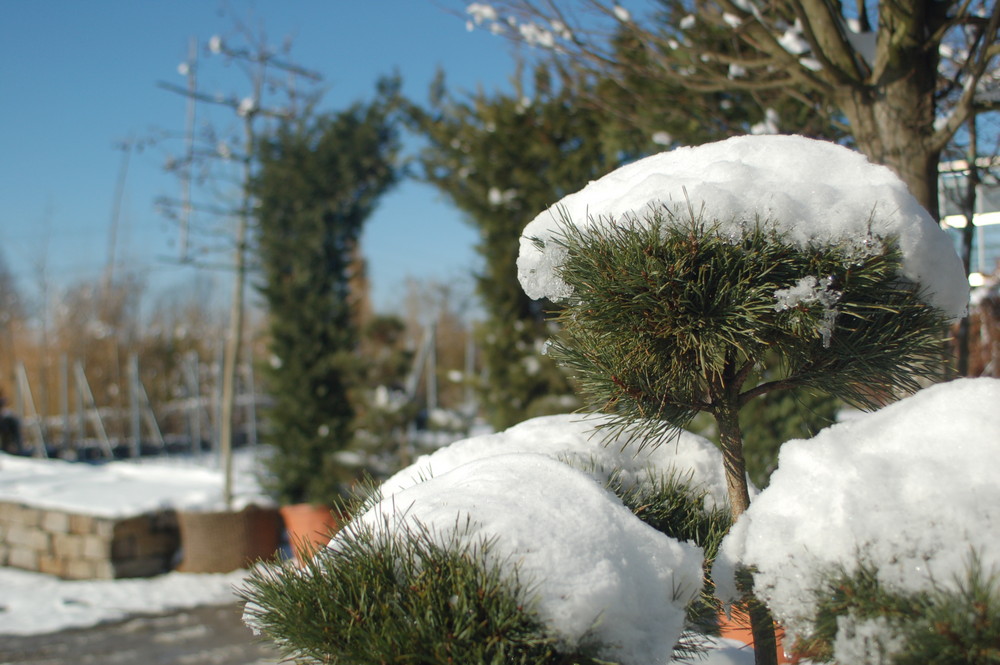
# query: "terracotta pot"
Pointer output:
{"type": "Point", "coordinates": [737, 627]}
{"type": "Point", "coordinates": [309, 527]}
{"type": "Point", "coordinates": [220, 542]}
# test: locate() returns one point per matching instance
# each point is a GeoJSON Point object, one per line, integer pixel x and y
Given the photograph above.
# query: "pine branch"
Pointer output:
{"type": "Point", "coordinates": [376, 599]}
{"type": "Point", "coordinates": [670, 317]}
{"type": "Point", "coordinates": [957, 623]}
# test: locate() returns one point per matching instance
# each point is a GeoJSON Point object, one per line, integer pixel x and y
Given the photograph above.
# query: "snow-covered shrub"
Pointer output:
{"type": "Point", "coordinates": [817, 192]}
{"type": "Point", "coordinates": [374, 600]}
{"type": "Point", "coordinates": [861, 620]}
{"type": "Point", "coordinates": [552, 522]}
{"type": "Point", "coordinates": [882, 533]}
{"type": "Point", "coordinates": [682, 273]}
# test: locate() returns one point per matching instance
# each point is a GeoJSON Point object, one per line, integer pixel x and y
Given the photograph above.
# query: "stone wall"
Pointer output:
{"type": "Point", "coordinates": [80, 547]}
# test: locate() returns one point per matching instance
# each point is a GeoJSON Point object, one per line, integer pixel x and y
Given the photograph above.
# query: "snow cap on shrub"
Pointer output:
{"type": "Point", "coordinates": [575, 440]}
{"type": "Point", "coordinates": [815, 191]}
{"type": "Point", "coordinates": [598, 574]}
{"type": "Point", "coordinates": [911, 490]}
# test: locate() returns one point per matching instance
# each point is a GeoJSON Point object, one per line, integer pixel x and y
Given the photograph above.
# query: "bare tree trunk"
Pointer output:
{"type": "Point", "coordinates": [968, 234]}
{"type": "Point", "coordinates": [892, 111]}
{"type": "Point", "coordinates": [891, 136]}
{"type": "Point", "coordinates": [234, 340]}
{"type": "Point", "coordinates": [235, 337]}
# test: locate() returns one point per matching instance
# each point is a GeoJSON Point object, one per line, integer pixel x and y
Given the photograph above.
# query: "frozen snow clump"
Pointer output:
{"type": "Point", "coordinates": [815, 191]}
{"type": "Point", "coordinates": [810, 290]}
{"type": "Point", "coordinates": [912, 489]}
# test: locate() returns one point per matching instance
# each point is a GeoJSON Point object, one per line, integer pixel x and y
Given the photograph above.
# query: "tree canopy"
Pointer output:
{"type": "Point", "coordinates": [900, 78]}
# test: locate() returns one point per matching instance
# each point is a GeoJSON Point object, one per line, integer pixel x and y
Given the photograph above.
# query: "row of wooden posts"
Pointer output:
{"type": "Point", "coordinates": [81, 427]}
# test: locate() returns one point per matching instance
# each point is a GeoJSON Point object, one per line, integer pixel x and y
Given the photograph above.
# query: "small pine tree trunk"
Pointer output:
{"type": "Point", "coordinates": [731, 441]}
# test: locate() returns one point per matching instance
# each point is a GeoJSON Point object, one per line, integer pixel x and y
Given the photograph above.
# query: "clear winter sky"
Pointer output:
{"type": "Point", "coordinates": [78, 77]}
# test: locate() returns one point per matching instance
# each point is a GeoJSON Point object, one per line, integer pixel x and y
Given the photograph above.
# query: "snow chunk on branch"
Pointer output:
{"type": "Point", "coordinates": [770, 124]}
{"type": "Point", "coordinates": [793, 41]}
{"type": "Point", "coordinates": [535, 35]}
{"type": "Point", "coordinates": [808, 291]}
{"type": "Point", "coordinates": [481, 12]}
{"type": "Point", "coordinates": [246, 106]}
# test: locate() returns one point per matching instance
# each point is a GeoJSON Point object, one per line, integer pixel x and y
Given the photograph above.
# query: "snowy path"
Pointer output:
{"type": "Point", "coordinates": [212, 635]}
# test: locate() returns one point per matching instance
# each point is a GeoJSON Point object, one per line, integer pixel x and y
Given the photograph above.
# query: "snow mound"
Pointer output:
{"type": "Point", "coordinates": [913, 489]}
{"type": "Point", "coordinates": [815, 191]}
{"type": "Point", "coordinates": [571, 438]}
{"type": "Point", "coordinates": [598, 574]}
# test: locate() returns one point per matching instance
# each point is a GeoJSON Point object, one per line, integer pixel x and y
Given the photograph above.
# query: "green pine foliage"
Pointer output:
{"type": "Point", "coordinates": [676, 506]}
{"type": "Point", "coordinates": [668, 320]}
{"type": "Point", "coordinates": [378, 601]}
{"type": "Point", "coordinates": [318, 183]}
{"type": "Point", "coordinates": [957, 625]}
{"type": "Point", "coordinates": [671, 318]}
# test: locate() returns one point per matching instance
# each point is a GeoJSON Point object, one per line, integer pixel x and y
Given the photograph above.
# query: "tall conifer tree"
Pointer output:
{"type": "Point", "coordinates": [319, 181]}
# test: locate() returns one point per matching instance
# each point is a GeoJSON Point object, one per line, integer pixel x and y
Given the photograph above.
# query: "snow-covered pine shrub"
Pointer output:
{"type": "Point", "coordinates": [671, 318]}
{"type": "Point", "coordinates": [878, 540]}
{"type": "Point", "coordinates": [373, 600]}
{"type": "Point", "coordinates": [861, 620]}
{"type": "Point", "coordinates": [680, 273]}
{"type": "Point", "coordinates": [509, 548]}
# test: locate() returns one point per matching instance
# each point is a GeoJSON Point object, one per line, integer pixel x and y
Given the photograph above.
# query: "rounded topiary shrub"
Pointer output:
{"type": "Point", "coordinates": [487, 553]}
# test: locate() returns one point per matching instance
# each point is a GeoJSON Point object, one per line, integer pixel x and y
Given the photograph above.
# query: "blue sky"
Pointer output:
{"type": "Point", "coordinates": [78, 77]}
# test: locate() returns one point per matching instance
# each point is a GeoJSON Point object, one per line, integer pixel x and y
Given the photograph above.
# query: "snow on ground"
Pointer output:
{"type": "Point", "coordinates": [913, 488]}
{"type": "Point", "coordinates": [35, 604]}
{"type": "Point", "coordinates": [32, 603]}
{"type": "Point", "coordinates": [127, 488]}
{"type": "Point", "coordinates": [816, 191]}
{"type": "Point", "coordinates": [595, 569]}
